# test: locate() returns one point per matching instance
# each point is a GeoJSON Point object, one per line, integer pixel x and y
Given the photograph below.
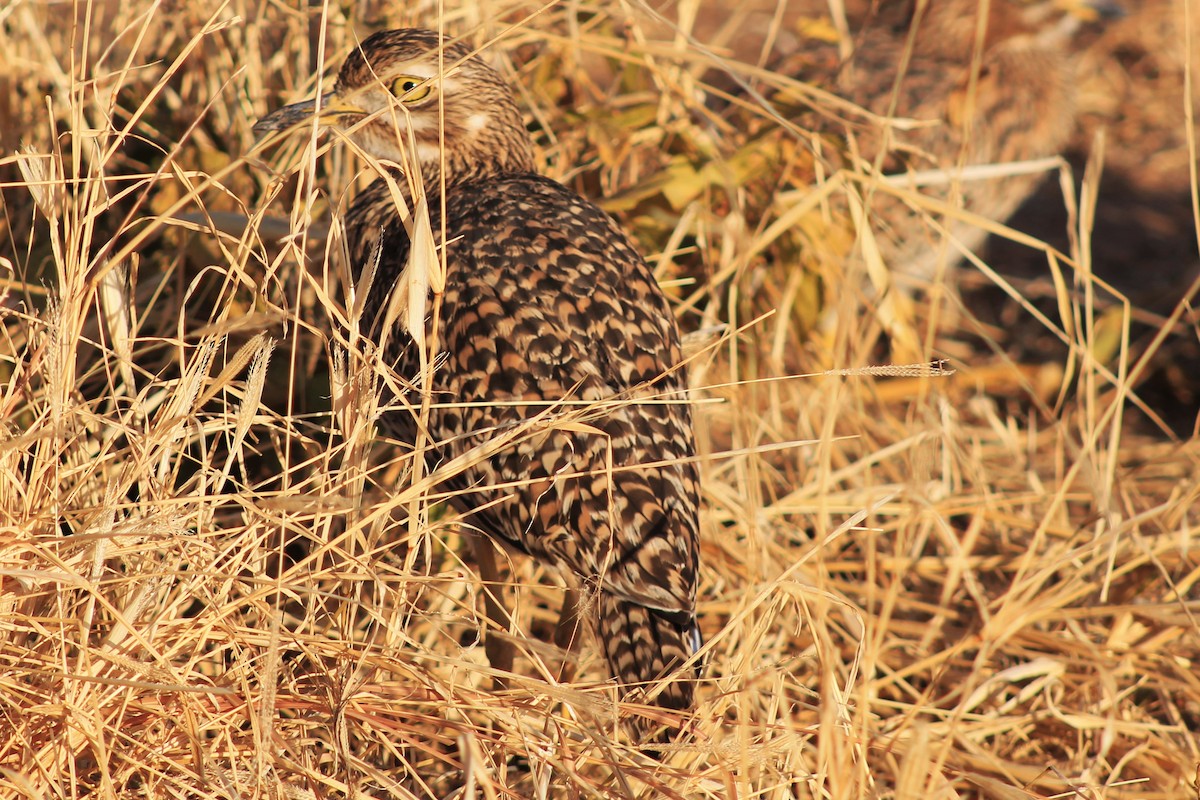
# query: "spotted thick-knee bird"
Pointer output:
{"type": "Point", "coordinates": [560, 386]}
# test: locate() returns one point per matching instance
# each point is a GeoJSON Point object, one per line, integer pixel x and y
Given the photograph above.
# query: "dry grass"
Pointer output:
{"type": "Point", "coordinates": [212, 581]}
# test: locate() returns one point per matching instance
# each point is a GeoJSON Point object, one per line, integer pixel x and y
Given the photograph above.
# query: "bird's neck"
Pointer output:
{"type": "Point", "coordinates": [438, 181]}
{"type": "Point", "coordinates": [438, 178]}
{"type": "Point", "coordinates": [478, 148]}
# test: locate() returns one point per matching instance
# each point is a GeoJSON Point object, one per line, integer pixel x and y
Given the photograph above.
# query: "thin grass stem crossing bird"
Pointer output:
{"type": "Point", "coordinates": [555, 396]}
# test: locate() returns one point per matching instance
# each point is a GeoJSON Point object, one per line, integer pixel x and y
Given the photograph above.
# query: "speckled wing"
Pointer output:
{"type": "Point", "coordinates": [546, 305]}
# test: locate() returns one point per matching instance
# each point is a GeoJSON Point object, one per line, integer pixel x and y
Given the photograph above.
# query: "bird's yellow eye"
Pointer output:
{"type": "Point", "coordinates": [410, 89]}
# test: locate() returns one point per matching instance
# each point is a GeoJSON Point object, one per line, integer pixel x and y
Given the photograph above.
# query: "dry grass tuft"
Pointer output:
{"type": "Point", "coordinates": [215, 583]}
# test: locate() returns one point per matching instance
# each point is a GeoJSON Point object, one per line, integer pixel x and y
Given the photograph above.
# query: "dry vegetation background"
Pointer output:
{"type": "Point", "coordinates": [213, 585]}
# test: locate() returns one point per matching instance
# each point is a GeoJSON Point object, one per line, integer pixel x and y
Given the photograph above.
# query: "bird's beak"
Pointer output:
{"type": "Point", "coordinates": [331, 108]}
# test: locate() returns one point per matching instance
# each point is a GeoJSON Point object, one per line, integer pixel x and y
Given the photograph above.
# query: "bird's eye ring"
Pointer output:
{"type": "Point", "coordinates": [411, 89]}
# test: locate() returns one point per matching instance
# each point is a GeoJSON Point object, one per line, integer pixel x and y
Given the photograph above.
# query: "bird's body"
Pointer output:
{"type": "Point", "coordinates": [549, 312]}
{"type": "Point", "coordinates": [558, 385]}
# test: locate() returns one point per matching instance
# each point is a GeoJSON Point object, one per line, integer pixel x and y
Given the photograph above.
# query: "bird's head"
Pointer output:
{"type": "Point", "coordinates": [409, 96]}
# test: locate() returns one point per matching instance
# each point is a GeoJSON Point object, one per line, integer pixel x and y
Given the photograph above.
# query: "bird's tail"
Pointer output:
{"type": "Point", "coordinates": [644, 645]}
